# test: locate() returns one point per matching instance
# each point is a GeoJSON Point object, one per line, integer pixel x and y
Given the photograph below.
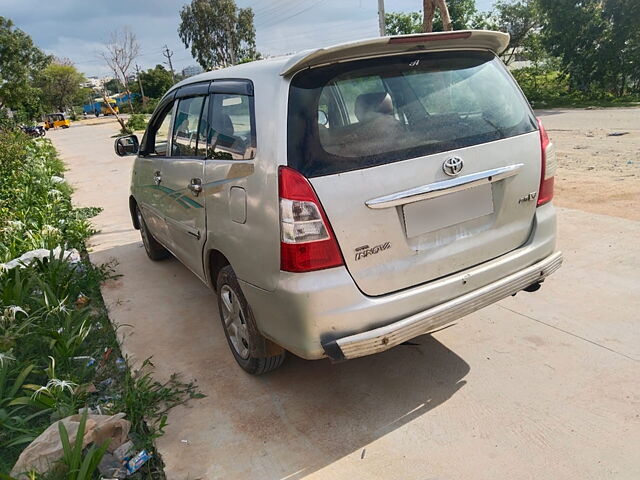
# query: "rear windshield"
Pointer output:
{"type": "Point", "coordinates": [361, 114]}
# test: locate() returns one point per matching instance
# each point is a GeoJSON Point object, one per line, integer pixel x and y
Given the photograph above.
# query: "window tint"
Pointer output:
{"type": "Point", "coordinates": [201, 149]}
{"type": "Point", "coordinates": [361, 114]}
{"type": "Point", "coordinates": [232, 131]}
{"type": "Point", "coordinates": [185, 127]}
{"type": "Point", "coordinates": [161, 134]}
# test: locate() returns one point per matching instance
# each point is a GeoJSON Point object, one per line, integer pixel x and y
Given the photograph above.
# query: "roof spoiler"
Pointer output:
{"type": "Point", "coordinates": [381, 46]}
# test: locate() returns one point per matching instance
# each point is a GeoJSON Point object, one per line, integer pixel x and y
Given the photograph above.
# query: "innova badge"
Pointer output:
{"type": "Point", "coordinates": [452, 166]}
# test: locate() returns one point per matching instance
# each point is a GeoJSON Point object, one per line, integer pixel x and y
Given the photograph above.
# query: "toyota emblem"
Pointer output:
{"type": "Point", "coordinates": [452, 166]}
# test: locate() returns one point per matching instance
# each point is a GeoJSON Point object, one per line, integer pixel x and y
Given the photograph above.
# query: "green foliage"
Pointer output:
{"type": "Point", "coordinates": [218, 33]}
{"type": "Point", "coordinates": [597, 42]}
{"type": "Point", "coordinates": [113, 86]}
{"type": "Point", "coordinates": [53, 320]}
{"type": "Point", "coordinates": [398, 23]}
{"type": "Point", "coordinates": [462, 13]}
{"type": "Point", "coordinates": [20, 61]}
{"type": "Point", "coordinates": [61, 85]}
{"type": "Point", "coordinates": [80, 465]}
{"type": "Point", "coordinates": [521, 20]}
{"type": "Point", "coordinates": [547, 87]}
{"type": "Point", "coordinates": [35, 204]}
{"type": "Point", "coordinates": [155, 81]}
{"type": "Point", "coordinates": [147, 401]}
{"type": "Point", "coordinates": [137, 121]}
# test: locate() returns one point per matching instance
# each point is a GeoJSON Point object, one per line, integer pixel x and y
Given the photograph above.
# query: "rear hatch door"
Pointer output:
{"type": "Point", "coordinates": [426, 164]}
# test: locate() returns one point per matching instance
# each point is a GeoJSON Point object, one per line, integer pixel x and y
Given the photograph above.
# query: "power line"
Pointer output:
{"type": "Point", "coordinates": [282, 19]}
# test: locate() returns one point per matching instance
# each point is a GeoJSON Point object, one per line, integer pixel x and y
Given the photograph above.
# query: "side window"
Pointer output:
{"type": "Point", "coordinates": [160, 135]}
{"type": "Point", "coordinates": [201, 148]}
{"type": "Point", "coordinates": [232, 134]}
{"type": "Point", "coordinates": [185, 128]}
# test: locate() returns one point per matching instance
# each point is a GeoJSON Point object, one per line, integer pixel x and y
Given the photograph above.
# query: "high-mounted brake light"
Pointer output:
{"type": "Point", "coordinates": [307, 241]}
{"type": "Point", "coordinates": [549, 163]}
{"type": "Point", "coordinates": [429, 38]}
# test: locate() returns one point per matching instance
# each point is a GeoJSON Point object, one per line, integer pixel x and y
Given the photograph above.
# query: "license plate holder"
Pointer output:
{"type": "Point", "coordinates": [434, 214]}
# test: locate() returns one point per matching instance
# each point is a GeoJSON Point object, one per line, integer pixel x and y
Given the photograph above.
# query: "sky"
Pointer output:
{"type": "Point", "coordinates": [78, 29]}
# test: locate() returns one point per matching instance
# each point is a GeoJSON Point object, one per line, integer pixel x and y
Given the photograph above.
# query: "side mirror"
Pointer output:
{"type": "Point", "coordinates": [126, 145]}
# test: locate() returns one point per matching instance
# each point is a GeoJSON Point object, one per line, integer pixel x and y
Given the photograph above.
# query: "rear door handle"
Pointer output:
{"type": "Point", "coordinates": [157, 177]}
{"type": "Point", "coordinates": [195, 185]}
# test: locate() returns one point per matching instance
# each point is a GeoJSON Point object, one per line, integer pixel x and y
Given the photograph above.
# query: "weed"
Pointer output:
{"type": "Point", "coordinates": [52, 319]}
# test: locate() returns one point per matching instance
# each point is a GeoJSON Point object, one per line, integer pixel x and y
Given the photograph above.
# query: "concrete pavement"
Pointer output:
{"type": "Point", "coordinates": [542, 385]}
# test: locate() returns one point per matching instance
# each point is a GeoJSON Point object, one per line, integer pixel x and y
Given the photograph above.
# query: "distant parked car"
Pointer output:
{"type": "Point", "coordinates": [344, 200]}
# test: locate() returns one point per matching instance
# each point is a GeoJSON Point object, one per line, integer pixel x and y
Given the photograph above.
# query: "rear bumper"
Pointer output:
{"type": "Point", "coordinates": [383, 338]}
{"type": "Point", "coordinates": [323, 314]}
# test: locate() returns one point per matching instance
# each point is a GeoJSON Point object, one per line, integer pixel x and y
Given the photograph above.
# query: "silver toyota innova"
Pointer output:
{"type": "Point", "coordinates": [344, 200]}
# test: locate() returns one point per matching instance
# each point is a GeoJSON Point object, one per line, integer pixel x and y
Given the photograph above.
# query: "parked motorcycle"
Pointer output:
{"type": "Point", "coordinates": [33, 131]}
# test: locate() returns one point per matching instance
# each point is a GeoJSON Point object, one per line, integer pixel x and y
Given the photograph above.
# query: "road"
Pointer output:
{"type": "Point", "coordinates": [543, 385]}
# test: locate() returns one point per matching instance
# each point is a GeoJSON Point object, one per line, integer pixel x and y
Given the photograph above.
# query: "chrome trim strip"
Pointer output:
{"type": "Point", "coordinates": [383, 338]}
{"type": "Point", "coordinates": [437, 189]}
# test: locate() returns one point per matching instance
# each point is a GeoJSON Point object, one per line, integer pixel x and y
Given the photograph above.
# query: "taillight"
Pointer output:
{"type": "Point", "coordinates": [549, 163]}
{"type": "Point", "coordinates": [307, 241]}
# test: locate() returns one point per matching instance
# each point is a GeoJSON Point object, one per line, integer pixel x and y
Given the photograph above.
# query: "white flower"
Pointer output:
{"type": "Point", "coordinates": [49, 230]}
{"type": "Point", "coordinates": [15, 309]}
{"type": "Point", "coordinates": [5, 357]}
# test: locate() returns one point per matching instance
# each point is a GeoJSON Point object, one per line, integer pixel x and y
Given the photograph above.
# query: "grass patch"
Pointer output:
{"type": "Point", "coordinates": [58, 350]}
{"type": "Point", "coordinates": [548, 88]}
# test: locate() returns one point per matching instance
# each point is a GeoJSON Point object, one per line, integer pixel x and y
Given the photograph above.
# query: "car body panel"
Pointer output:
{"type": "Point", "coordinates": [415, 258]}
{"type": "Point", "coordinates": [240, 221]}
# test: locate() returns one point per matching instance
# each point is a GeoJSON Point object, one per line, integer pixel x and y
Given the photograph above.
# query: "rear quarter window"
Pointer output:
{"type": "Point", "coordinates": [371, 112]}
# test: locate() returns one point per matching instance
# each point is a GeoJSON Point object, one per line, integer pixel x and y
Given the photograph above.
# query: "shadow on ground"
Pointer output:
{"type": "Point", "coordinates": [289, 423]}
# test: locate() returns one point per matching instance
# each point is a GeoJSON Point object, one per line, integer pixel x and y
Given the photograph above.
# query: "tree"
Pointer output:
{"type": "Point", "coordinates": [156, 81]}
{"type": "Point", "coordinates": [119, 53]}
{"type": "Point", "coordinates": [112, 86]}
{"type": "Point", "coordinates": [462, 12]}
{"type": "Point", "coordinates": [398, 23]}
{"type": "Point", "coordinates": [61, 84]}
{"type": "Point", "coordinates": [20, 62]}
{"type": "Point", "coordinates": [521, 20]}
{"type": "Point", "coordinates": [597, 42]}
{"type": "Point", "coordinates": [218, 33]}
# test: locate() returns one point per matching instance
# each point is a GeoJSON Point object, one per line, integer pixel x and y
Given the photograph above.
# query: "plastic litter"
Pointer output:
{"type": "Point", "coordinates": [124, 451]}
{"type": "Point", "coordinates": [90, 360]}
{"type": "Point", "coordinates": [111, 467]}
{"type": "Point", "coordinates": [57, 179]}
{"type": "Point", "coordinates": [72, 256]}
{"type": "Point", "coordinates": [134, 464]}
{"type": "Point", "coordinates": [47, 448]}
{"type": "Point", "coordinates": [121, 364]}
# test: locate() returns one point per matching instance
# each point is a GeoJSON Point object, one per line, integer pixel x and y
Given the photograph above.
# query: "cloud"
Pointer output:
{"type": "Point", "coordinates": [77, 29]}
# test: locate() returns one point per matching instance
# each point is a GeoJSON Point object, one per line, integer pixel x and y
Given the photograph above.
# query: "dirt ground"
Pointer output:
{"type": "Point", "coordinates": [597, 172]}
{"type": "Point", "coordinates": [537, 386]}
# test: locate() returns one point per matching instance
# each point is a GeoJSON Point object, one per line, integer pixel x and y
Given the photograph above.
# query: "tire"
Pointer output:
{"type": "Point", "coordinates": [240, 329]}
{"type": "Point", "coordinates": [155, 251]}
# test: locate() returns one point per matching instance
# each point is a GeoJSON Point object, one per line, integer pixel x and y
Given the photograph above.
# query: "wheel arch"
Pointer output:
{"type": "Point", "coordinates": [216, 261]}
{"type": "Point", "coordinates": [132, 209]}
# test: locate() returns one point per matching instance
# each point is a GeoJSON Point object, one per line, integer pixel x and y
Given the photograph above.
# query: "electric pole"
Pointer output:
{"type": "Point", "coordinates": [381, 17]}
{"type": "Point", "coordinates": [168, 54]}
{"type": "Point", "coordinates": [140, 83]}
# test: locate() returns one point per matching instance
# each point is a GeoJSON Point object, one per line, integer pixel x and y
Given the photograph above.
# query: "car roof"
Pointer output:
{"type": "Point", "coordinates": [287, 65]}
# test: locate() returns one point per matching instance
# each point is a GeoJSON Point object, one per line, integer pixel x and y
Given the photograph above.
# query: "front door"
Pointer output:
{"type": "Point", "coordinates": [149, 189]}
{"type": "Point", "coordinates": [182, 181]}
